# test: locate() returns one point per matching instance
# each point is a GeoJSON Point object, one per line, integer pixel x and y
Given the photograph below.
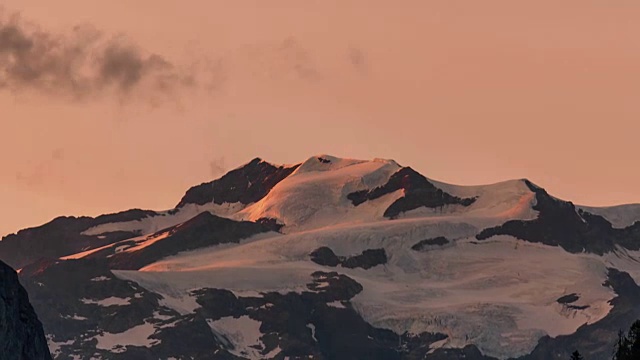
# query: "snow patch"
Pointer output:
{"type": "Point", "coordinates": [336, 304]}
{"type": "Point", "coordinates": [75, 317]}
{"type": "Point", "coordinates": [241, 335]}
{"type": "Point", "coordinates": [146, 242]}
{"type": "Point", "coordinates": [157, 315]}
{"type": "Point", "coordinates": [56, 347]}
{"type": "Point", "coordinates": [135, 336]}
{"type": "Point", "coordinates": [624, 260]}
{"type": "Point", "coordinates": [313, 331]}
{"type": "Point", "coordinates": [437, 345]}
{"type": "Point", "coordinates": [110, 301]}
{"type": "Point", "coordinates": [165, 219]}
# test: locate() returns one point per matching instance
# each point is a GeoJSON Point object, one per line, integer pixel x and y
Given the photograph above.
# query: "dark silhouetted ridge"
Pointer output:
{"type": "Point", "coordinates": [245, 185]}
{"type": "Point", "coordinates": [21, 333]}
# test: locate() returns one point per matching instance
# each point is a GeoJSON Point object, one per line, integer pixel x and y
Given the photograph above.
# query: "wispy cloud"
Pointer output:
{"type": "Point", "coordinates": [85, 63]}
{"type": "Point", "coordinates": [81, 64]}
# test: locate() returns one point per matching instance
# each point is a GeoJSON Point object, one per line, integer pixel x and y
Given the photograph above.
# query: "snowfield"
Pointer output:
{"type": "Point", "coordinates": [242, 335]}
{"type": "Point", "coordinates": [136, 336]}
{"type": "Point", "coordinates": [315, 196]}
{"type": "Point", "coordinates": [467, 291]}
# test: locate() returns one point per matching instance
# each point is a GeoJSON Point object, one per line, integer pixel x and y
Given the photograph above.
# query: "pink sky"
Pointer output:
{"type": "Point", "coordinates": [466, 92]}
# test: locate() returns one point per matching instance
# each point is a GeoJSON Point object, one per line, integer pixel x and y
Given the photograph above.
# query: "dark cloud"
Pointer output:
{"type": "Point", "coordinates": [124, 66]}
{"type": "Point", "coordinates": [83, 63]}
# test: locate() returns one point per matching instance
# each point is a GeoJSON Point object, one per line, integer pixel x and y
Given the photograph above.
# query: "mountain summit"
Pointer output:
{"type": "Point", "coordinates": [336, 258]}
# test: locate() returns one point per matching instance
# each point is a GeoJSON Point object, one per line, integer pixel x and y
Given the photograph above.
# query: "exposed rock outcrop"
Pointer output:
{"type": "Point", "coordinates": [21, 333]}
{"type": "Point", "coordinates": [560, 223]}
{"type": "Point", "coordinates": [203, 230]}
{"type": "Point", "coordinates": [429, 243]}
{"type": "Point", "coordinates": [63, 236]}
{"type": "Point", "coordinates": [245, 185]}
{"type": "Point", "coordinates": [368, 259]}
{"type": "Point", "coordinates": [418, 192]}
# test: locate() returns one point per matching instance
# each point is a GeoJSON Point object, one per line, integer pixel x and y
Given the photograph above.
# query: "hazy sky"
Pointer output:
{"type": "Point", "coordinates": [108, 105]}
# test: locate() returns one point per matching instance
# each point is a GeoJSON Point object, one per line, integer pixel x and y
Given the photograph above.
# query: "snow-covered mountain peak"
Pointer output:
{"type": "Point", "coordinates": [398, 264]}
{"type": "Point", "coordinates": [323, 162]}
{"type": "Point", "coordinates": [316, 194]}
{"type": "Point", "coordinates": [326, 162]}
{"type": "Point", "coordinates": [254, 162]}
{"type": "Point", "coordinates": [246, 184]}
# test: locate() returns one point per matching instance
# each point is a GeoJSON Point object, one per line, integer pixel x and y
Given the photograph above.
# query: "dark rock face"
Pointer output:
{"type": "Point", "coordinates": [271, 224]}
{"type": "Point", "coordinates": [75, 300]}
{"type": "Point", "coordinates": [320, 322]}
{"type": "Point", "coordinates": [568, 299]}
{"type": "Point", "coordinates": [315, 324]}
{"type": "Point", "coordinates": [62, 236]}
{"type": "Point", "coordinates": [419, 192]}
{"type": "Point", "coordinates": [246, 185]}
{"type": "Point", "coordinates": [470, 352]}
{"type": "Point", "coordinates": [332, 286]}
{"type": "Point", "coordinates": [424, 244]}
{"type": "Point", "coordinates": [202, 231]}
{"type": "Point", "coordinates": [325, 256]}
{"type": "Point", "coordinates": [368, 259]}
{"type": "Point", "coordinates": [595, 341]}
{"type": "Point", "coordinates": [21, 333]}
{"type": "Point", "coordinates": [559, 223]}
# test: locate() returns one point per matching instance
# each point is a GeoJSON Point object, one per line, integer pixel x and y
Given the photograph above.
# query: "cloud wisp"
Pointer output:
{"type": "Point", "coordinates": [82, 64]}
{"type": "Point", "coordinates": [87, 64]}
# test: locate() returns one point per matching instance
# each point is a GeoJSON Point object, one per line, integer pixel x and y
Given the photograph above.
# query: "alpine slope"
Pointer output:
{"type": "Point", "coordinates": [336, 258]}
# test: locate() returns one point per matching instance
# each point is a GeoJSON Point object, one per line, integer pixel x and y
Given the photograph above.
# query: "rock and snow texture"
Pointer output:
{"type": "Point", "coordinates": [495, 294]}
{"type": "Point", "coordinates": [135, 336]}
{"type": "Point", "coordinates": [340, 257]}
{"type": "Point", "coordinates": [620, 216]}
{"type": "Point", "coordinates": [241, 334]}
{"type": "Point", "coordinates": [315, 194]}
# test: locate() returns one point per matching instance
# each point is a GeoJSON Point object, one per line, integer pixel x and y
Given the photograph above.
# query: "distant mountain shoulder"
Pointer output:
{"type": "Point", "coordinates": [561, 223]}
{"type": "Point", "coordinates": [63, 236]}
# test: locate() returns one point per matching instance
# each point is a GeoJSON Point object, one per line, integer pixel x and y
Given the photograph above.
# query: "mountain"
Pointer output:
{"type": "Point", "coordinates": [21, 333]}
{"type": "Point", "coordinates": [337, 258]}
